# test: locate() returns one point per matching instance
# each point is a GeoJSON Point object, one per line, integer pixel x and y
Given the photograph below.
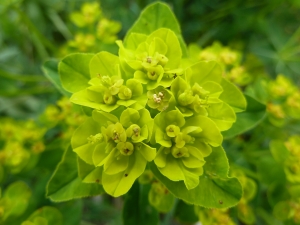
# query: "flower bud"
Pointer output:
{"type": "Point", "coordinates": [126, 148]}
{"type": "Point", "coordinates": [186, 98]}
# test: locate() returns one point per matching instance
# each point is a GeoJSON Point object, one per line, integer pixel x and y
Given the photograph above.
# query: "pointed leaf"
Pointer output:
{"type": "Point", "coordinates": [155, 16]}
{"type": "Point", "coordinates": [65, 184]}
{"type": "Point", "coordinates": [233, 96]}
{"type": "Point", "coordinates": [254, 114]}
{"type": "Point", "coordinates": [50, 69]}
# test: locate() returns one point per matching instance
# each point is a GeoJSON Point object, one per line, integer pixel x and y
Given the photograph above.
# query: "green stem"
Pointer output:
{"type": "Point", "coordinates": [170, 215]}
{"type": "Point", "coordinates": [31, 91]}
{"type": "Point", "coordinates": [59, 23]}
{"type": "Point", "coordinates": [24, 78]}
{"type": "Point", "coordinates": [39, 36]}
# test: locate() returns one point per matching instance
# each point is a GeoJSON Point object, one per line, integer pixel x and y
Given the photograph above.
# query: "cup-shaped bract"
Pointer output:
{"type": "Point", "coordinates": [199, 91]}
{"type": "Point", "coordinates": [119, 145]}
{"type": "Point", "coordinates": [107, 88]}
{"type": "Point", "coordinates": [153, 60]}
{"type": "Point", "coordinates": [184, 144]}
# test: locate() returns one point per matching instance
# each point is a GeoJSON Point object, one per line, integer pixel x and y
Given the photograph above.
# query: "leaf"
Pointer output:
{"type": "Point", "coordinates": [155, 16]}
{"type": "Point", "coordinates": [72, 211]}
{"type": "Point", "coordinates": [204, 71]}
{"type": "Point", "coordinates": [50, 69]}
{"type": "Point", "coordinates": [16, 196]}
{"type": "Point", "coordinates": [50, 214]}
{"type": "Point", "coordinates": [104, 63]}
{"type": "Point", "coordinates": [65, 184]}
{"type": "Point", "coordinates": [137, 209]}
{"type": "Point", "coordinates": [268, 176]}
{"type": "Point", "coordinates": [233, 96]}
{"type": "Point", "coordinates": [185, 213]}
{"type": "Point", "coordinates": [161, 198]}
{"type": "Point", "coordinates": [120, 183]}
{"type": "Point", "coordinates": [279, 151]}
{"type": "Point", "coordinates": [215, 189]}
{"type": "Point", "coordinates": [74, 71]}
{"type": "Point", "coordinates": [254, 114]}
{"type": "Point", "coordinates": [89, 173]}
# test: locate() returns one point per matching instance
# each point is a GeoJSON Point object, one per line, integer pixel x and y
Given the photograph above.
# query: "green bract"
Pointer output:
{"type": "Point", "coordinates": [200, 93]}
{"type": "Point", "coordinates": [184, 144]}
{"type": "Point", "coordinates": [154, 60]}
{"type": "Point", "coordinates": [107, 89]}
{"type": "Point", "coordinates": [116, 144]}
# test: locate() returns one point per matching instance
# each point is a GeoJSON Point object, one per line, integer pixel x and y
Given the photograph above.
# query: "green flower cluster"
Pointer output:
{"type": "Point", "coordinates": [21, 144]}
{"type": "Point", "coordinates": [287, 156]}
{"type": "Point", "coordinates": [15, 203]}
{"type": "Point", "coordinates": [149, 105]}
{"type": "Point", "coordinates": [214, 216]}
{"type": "Point", "coordinates": [292, 161]}
{"type": "Point", "coordinates": [283, 101]}
{"type": "Point", "coordinates": [234, 69]}
{"type": "Point", "coordinates": [87, 38]}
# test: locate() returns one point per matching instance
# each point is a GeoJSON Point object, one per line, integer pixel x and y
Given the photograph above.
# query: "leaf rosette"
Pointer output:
{"type": "Point", "coordinates": [117, 145]}
{"type": "Point", "coordinates": [184, 144]}
{"type": "Point", "coordinates": [153, 62]}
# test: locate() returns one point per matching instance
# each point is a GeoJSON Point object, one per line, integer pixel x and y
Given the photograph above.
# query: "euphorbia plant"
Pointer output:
{"type": "Point", "coordinates": [150, 107]}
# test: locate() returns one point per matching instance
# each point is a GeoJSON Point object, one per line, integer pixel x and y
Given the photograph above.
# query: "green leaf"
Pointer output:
{"type": "Point", "coordinates": [89, 173]}
{"type": "Point", "coordinates": [185, 213]}
{"type": "Point", "coordinates": [254, 114]}
{"type": "Point", "coordinates": [72, 211]}
{"type": "Point", "coordinates": [74, 71]}
{"type": "Point", "coordinates": [294, 190]}
{"type": "Point", "coordinates": [79, 140]}
{"type": "Point", "coordinates": [268, 176]}
{"type": "Point", "coordinates": [246, 215]}
{"type": "Point", "coordinates": [50, 69]}
{"type": "Point", "coordinates": [279, 151]}
{"type": "Point", "coordinates": [16, 198]}
{"type": "Point", "coordinates": [204, 71]}
{"type": "Point", "coordinates": [82, 98]}
{"type": "Point", "coordinates": [49, 214]}
{"type": "Point", "coordinates": [160, 197]}
{"type": "Point", "coordinates": [155, 16]}
{"type": "Point", "coordinates": [65, 184]}
{"type": "Point", "coordinates": [137, 209]}
{"type": "Point", "coordinates": [215, 189]}
{"type": "Point", "coordinates": [283, 210]}
{"type": "Point", "coordinates": [172, 51]}
{"type": "Point", "coordinates": [120, 183]}
{"type": "Point", "coordinates": [104, 63]}
{"type": "Point", "coordinates": [233, 96]}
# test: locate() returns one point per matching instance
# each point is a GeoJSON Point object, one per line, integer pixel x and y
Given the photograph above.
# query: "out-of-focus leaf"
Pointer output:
{"type": "Point", "coordinates": [50, 69]}
{"type": "Point", "coordinates": [254, 114]}
{"type": "Point", "coordinates": [137, 209]}
{"type": "Point", "coordinates": [185, 213]}
{"type": "Point", "coordinates": [65, 184]}
{"type": "Point", "coordinates": [48, 214]}
{"type": "Point", "coordinates": [268, 176]}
